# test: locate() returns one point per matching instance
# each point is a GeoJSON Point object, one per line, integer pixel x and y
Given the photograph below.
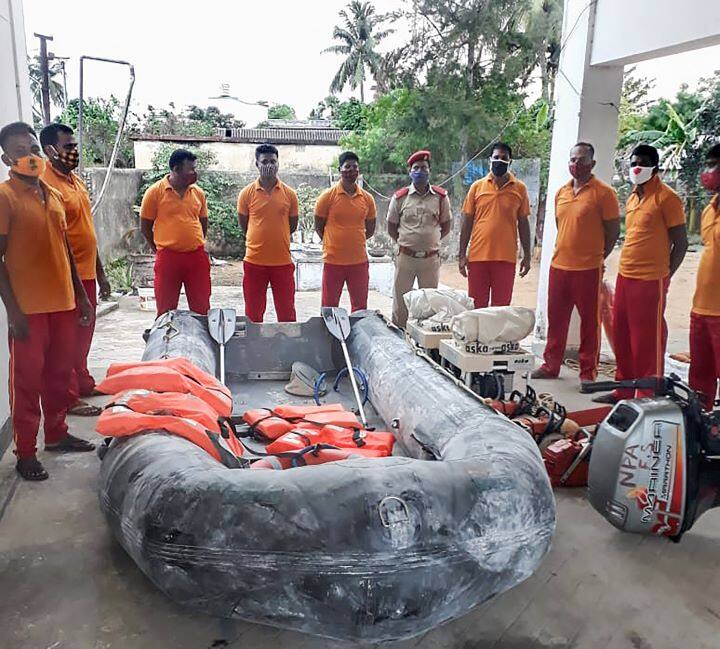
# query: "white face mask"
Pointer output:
{"type": "Point", "coordinates": [640, 175]}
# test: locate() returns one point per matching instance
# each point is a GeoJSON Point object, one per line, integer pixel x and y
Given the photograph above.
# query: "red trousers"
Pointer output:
{"type": "Point", "coordinates": [640, 331]}
{"type": "Point", "coordinates": [705, 356]}
{"type": "Point", "coordinates": [40, 369]}
{"type": "Point", "coordinates": [81, 381]}
{"type": "Point", "coordinates": [357, 278]}
{"type": "Point", "coordinates": [282, 281]}
{"type": "Point", "coordinates": [568, 289]}
{"type": "Point", "coordinates": [173, 270]}
{"type": "Point", "coordinates": [490, 283]}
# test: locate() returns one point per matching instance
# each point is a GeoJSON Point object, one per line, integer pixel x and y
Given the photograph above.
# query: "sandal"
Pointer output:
{"type": "Point", "coordinates": [84, 409]}
{"type": "Point", "coordinates": [30, 468]}
{"type": "Point", "coordinates": [70, 444]}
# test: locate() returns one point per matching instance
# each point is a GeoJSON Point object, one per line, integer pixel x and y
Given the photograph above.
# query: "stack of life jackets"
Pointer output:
{"type": "Point", "coordinates": [304, 435]}
{"type": "Point", "coordinates": [175, 396]}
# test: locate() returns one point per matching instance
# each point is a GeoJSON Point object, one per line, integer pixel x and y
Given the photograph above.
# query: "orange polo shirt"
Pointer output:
{"type": "Point", "coordinates": [646, 251]}
{"type": "Point", "coordinates": [707, 287]}
{"type": "Point", "coordinates": [267, 241]}
{"type": "Point", "coordinates": [176, 221]}
{"type": "Point", "coordinates": [78, 216]}
{"type": "Point", "coordinates": [580, 243]}
{"type": "Point", "coordinates": [345, 217]}
{"type": "Point", "coordinates": [496, 213]}
{"type": "Point", "coordinates": [36, 257]}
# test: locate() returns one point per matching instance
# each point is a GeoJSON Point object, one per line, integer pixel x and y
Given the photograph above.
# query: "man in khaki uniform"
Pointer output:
{"type": "Point", "coordinates": [418, 217]}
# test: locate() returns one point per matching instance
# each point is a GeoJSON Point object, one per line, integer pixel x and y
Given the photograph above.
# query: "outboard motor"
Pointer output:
{"type": "Point", "coordinates": [655, 463]}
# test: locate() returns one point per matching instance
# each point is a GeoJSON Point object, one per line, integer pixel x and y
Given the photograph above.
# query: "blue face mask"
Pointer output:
{"type": "Point", "coordinates": [419, 176]}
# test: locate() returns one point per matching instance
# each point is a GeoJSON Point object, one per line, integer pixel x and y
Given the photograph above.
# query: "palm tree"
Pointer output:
{"type": "Point", "coordinates": [57, 91]}
{"type": "Point", "coordinates": [358, 40]}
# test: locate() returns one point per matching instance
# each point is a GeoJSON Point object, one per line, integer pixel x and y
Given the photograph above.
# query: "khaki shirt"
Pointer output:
{"type": "Point", "coordinates": [420, 217]}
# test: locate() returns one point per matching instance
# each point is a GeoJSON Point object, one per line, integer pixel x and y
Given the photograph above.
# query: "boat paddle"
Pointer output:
{"type": "Point", "coordinates": [338, 324]}
{"type": "Point", "coordinates": [221, 327]}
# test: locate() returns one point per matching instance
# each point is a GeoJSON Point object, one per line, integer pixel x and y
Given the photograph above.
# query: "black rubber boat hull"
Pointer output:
{"type": "Point", "coordinates": [357, 550]}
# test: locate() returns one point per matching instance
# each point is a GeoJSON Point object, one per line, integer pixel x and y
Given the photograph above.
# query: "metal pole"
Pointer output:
{"type": "Point", "coordinates": [121, 125]}
{"type": "Point", "coordinates": [44, 77]}
{"type": "Point", "coordinates": [80, 137]}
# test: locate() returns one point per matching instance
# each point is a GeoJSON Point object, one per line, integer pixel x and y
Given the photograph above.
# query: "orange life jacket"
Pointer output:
{"type": "Point", "coordinates": [168, 375]}
{"type": "Point", "coordinates": [175, 404]}
{"type": "Point", "coordinates": [363, 440]}
{"type": "Point", "coordinates": [122, 421]}
{"type": "Point", "coordinates": [310, 455]}
{"type": "Point", "coordinates": [271, 424]}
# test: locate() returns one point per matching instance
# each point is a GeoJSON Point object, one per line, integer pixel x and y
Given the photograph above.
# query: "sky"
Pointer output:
{"type": "Point", "coordinates": [182, 51]}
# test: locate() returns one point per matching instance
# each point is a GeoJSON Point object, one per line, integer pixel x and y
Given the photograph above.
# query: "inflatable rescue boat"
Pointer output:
{"type": "Point", "coordinates": [365, 548]}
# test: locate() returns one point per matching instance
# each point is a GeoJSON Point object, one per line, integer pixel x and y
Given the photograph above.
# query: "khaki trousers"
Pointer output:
{"type": "Point", "coordinates": [408, 269]}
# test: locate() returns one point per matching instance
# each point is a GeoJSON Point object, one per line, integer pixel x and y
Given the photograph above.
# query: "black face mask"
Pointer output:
{"type": "Point", "coordinates": [499, 167]}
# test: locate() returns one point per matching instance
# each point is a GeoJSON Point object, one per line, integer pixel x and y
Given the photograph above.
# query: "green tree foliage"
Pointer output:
{"type": "Point", "coordinates": [405, 120]}
{"type": "Point", "coordinates": [193, 120]}
{"type": "Point", "coordinates": [358, 38]}
{"type": "Point", "coordinates": [458, 83]}
{"type": "Point", "coordinates": [682, 129]}
{"type": "Point", "coordinates": [101, 118]}
{"type": "Point", "coordinates": [349, 115]}
{"type": "Point", "coordinates": [223, 227]}
{"type": "Point", "coordinates": [307, 197]}
{"type": "Point", "coordinates": [281, 111]}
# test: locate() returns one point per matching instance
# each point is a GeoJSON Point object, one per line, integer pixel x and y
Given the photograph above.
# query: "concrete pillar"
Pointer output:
{"type": "Point", "coordinates": [586, 101]}
{"type": "Point", "coordinates": [15, 104]}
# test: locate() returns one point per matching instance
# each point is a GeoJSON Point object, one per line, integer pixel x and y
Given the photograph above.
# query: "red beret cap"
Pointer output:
{"type": "Point", "coordinates": [419, 156]}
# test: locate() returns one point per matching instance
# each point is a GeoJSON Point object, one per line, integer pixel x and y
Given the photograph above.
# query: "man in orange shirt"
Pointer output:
{"type": "Point", "coordinates": [588, 222]}
{"type": "Point", "coordinates": [705, 314]}
{"type": "Point", "coordinates": [344, 219]}
{"type": "Point", "coordinates": [655, 245]}
{"type": "Point", "coordinates": [174, 221]}
{"type": "Point", "coordinates": [495, 211]}
{"type": "Point", "coordinates": [60, 147]}
{"type": "Point", "coordinates": [268, 214]}
{"type": "Point", "coordinates": [40, 289]}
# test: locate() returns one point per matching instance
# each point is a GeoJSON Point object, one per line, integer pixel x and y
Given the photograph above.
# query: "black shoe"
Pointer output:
{"type": "Point", "coordinates": [608, 398]}
{"type": "Point", "coordinates": [30, 468]}
{"type": "Point", "coordinates": [70, 444]}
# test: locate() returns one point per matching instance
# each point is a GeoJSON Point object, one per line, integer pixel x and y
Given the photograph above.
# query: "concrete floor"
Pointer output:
{"type": "Point", "coordinates": [66, 584]}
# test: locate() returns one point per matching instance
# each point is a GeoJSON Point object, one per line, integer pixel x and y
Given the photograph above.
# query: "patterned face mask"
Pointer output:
{"type": "Point", "coordinates": [30, 165]}
{"type": "Point", "coordinates": [70, 159]}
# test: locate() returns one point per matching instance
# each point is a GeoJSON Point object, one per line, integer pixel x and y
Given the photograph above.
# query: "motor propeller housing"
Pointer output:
{"type": "Point", "coordinates": [652, 468]}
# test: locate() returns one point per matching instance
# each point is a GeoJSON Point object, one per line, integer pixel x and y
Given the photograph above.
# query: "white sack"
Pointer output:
{"type": "Point", "coordinates": [438, 304]}
{"type": "Point", "coordinates": [495, 324]}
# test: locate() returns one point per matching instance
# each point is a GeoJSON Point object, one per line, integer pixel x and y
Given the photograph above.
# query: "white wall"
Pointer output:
{"type": "Point", "coordinates": [585, 100]}
{"type": "Point", "coordinates": [628, 31]}
{"type": "Point", "coordinates": [15, 104]}
{"type": "Point", "coordinates": [233, 156]}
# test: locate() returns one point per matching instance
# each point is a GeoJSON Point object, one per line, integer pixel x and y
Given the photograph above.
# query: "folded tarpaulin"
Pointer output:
{"type": "Point", "coordinates": [436, 304]}
{"type": "Point", "coordinates": [495, 324]}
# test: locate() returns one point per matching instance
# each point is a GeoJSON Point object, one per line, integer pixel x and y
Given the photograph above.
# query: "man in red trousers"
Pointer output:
{"type": "Point", "coordinates": [705, 314]}
{"type": "Point", "coordinates": [654, 247]}
{"type": "Point", "coordinates": [495, 213]}
{"type": "Point", "coordinates": [174, 221]}
{"type": "Point", "coordinates": [344, 219]}
{"type": "Point", "coordinates": [60, 147]}
{"type": "Point", "coordinates": [40, 289]}
{"type": "Point", "coordinates": [588, 222]}
{"type": "Point", "coordinates": [268, 214]}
